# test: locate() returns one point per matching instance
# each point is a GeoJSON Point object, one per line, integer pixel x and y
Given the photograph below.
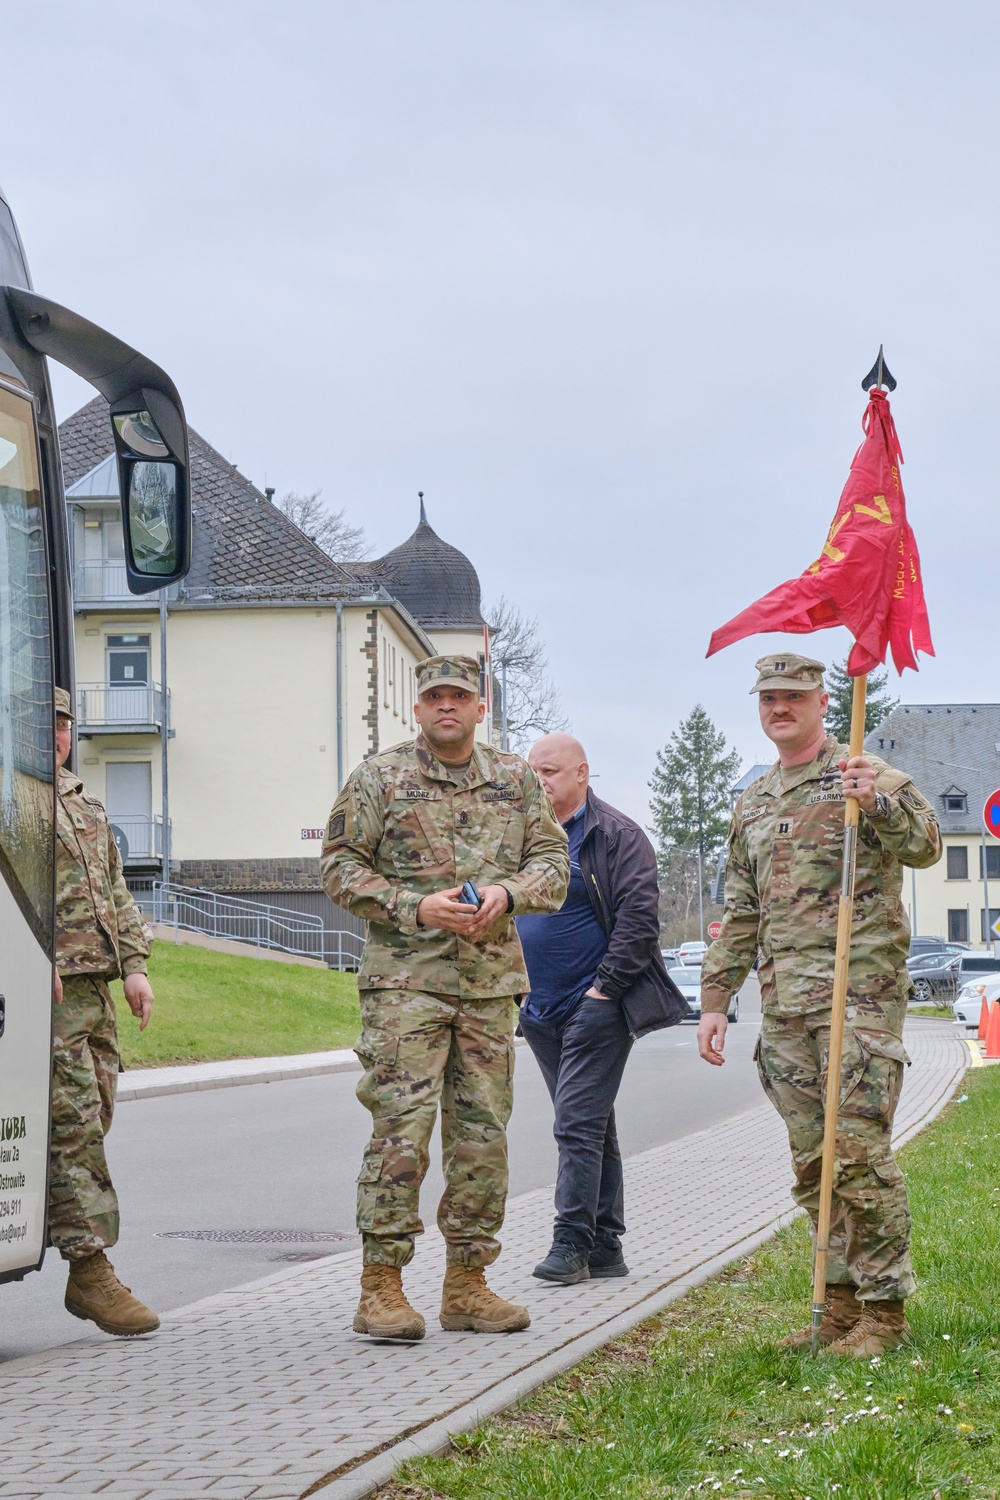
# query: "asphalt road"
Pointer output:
{"type": "Point", "coordinates": [284, 1156]}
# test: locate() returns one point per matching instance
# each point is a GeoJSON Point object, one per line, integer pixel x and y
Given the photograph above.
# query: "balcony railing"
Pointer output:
{"type": "Point", "coordinates": [143, 836]}
{"type": "Point", "coordinates": [100, 582]}
{"type": "Point", "coordinates": [118, 707]}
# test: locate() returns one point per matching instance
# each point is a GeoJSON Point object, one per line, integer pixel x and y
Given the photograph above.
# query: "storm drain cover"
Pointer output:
{"type": "Point", "coordinates": [256, 1236]}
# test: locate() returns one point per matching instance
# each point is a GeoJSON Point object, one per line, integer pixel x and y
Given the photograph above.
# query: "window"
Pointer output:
{"type": "Point", "coordinates": [988, 937]}
{"type": "Point", "coordinates": [958, 861]}
{"type": "Point", "coordinates": [25, 680]}
{"type": "Point", "coordinates": [992, 861]}
{"type": "Point", "coordinates": [128, 660]}
{"type": "Point", "coordinates": [958, 924]}
{"type": "Point", "coordinates": [954, 800]}
{"type": "Point", "coordinates": [395, 699]}
{"type": "Point", "coordinates": [385, 673]}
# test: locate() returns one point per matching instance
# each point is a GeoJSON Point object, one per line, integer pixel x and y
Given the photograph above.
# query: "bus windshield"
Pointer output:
{"type": "Point", "coordinates": [26, 754]}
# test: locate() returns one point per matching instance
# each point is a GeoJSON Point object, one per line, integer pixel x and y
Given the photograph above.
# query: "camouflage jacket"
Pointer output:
{"type": "Point", "coordinates": [406, 825]}
{"type": "Point", "coordinates": [783, 887]}
{"type": "Point", "coordinates": [98, 926]}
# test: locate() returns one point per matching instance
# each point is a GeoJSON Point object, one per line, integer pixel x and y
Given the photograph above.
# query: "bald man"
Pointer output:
{"type": "Point", "coordinates": [597, 981]}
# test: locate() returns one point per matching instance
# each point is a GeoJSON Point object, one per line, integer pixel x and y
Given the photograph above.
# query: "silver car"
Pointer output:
{"type": "Point", "coordinates": [687, 978]}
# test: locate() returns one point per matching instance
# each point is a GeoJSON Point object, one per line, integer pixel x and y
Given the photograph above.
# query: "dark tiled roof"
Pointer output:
{"type": "Point", "coordinates": [434, 581]}
{"type": "Point", "coordinates": [945, 747]}
{"type": "Point", "coordinates": [243, 546]}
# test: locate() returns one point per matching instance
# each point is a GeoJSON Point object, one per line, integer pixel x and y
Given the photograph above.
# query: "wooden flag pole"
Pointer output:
{"type": "Point", "coordinates": [841, 968]}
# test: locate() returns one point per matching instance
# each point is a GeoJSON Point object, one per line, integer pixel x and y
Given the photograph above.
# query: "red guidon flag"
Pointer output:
{"type": "Point", "coordinates": [868, 574]}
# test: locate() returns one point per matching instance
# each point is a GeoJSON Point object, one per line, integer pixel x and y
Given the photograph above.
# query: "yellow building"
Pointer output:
{"type": "Point", "coordinates": [283, 670]}
{"type": "Point", "coordinates": [952, 752]}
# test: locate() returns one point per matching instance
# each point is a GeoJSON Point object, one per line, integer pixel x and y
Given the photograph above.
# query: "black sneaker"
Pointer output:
{"type": "Point", "coordinates": [564, 1263]}
{"type": "Point", "coordinates": [607, 1261]}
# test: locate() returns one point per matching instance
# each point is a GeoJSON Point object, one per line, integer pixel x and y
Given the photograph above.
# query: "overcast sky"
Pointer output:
{"type": "Point", "coordinates": [602, 279]}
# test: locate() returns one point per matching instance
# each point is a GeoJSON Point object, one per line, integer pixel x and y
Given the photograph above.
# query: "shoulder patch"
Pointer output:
{"type": "Point", "coordinates": [335, 827]}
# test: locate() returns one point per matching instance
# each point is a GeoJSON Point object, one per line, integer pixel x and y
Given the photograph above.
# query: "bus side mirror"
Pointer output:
{"type": "Point", "coordinates": [151, 450]}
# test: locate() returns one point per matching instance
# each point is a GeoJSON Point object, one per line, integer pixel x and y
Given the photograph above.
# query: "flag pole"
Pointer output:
{"type": "Point", "coordinates": [845, 914]}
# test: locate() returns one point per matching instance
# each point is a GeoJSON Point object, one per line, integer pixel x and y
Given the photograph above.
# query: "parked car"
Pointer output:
{"type": "Point", "coordinates": [969, 1004]}
{"type": "Point", "coordinates": [934, 945]}
{"type": "Point", "coordinates": [933, 974]}
{"type": "Point", "coordinates": [669, 956]}
{"type": "Point", "coordinates": [954, 976]}
{"type": "Point", "coordinates": [687, 978]}
{"type": "Point", "coordinates": [692, 953]}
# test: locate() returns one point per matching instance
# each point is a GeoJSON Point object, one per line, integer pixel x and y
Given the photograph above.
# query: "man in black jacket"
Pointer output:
{"type": "Point", "coordinates": [597, 981]}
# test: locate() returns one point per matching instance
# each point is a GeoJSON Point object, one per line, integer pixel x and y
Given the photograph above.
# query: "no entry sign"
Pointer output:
{"type": "Point", "coordinates": [714, 929]}
{"type": "Point", "coordinates": [991, 814]}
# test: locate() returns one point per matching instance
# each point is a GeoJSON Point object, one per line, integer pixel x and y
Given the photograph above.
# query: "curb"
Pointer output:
{"type": "Point", "coordinates": [153, 1083]}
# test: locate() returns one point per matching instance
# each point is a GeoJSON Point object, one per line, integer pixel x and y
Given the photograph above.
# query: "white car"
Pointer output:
{"type": "Point", "coordinates": [692, 953]}
{"type": "Point", "coordinates": [687, 978]}
{"type": "Point", "coordinates": [966, 1009]}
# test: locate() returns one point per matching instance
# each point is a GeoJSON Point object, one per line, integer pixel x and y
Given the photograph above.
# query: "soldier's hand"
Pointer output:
{"type": "Point", "coordinates": [712, 1037]}
{"type": "Point", "coordinates": [857, 777]}
{"type": "Point", "coordinates": [494, 906]}
{"type": "Point", "coordinates": [139, 995]}
{"type": "Point", "coordinates": [57, 988]}
{"type": "Point", "coordinates": [446, 911]}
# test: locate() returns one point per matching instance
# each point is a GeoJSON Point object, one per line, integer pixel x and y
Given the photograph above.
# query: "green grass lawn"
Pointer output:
{"type": "Point", "coordinates": [211, 1005]}
{"type": "Point", "coordinates": [698, 1403]}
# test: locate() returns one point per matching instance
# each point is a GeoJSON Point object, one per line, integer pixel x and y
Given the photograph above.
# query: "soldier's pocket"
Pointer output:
{"type": "Point", "coordinates": [506, 843]}
{"type": "Point", "coordinates": [368, 1181]}
{"type": "Point", "coordinates": [376, 1049]}
{"type": "Point", "coordinates": [872, 1075]}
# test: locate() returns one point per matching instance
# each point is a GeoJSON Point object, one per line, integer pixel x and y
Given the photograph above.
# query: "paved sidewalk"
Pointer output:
{"type": "Point", "coordinates": [263, 1391]}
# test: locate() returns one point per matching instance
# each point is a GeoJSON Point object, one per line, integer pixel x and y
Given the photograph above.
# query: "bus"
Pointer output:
{"type": "Point", "coordinates": [36, 652]}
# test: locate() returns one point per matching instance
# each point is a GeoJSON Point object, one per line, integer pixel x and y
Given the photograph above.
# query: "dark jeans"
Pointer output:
{"type": "Point", "coordinates": [582, 1061]}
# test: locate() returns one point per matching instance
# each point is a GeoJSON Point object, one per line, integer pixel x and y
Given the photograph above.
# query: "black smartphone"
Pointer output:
{"type": "Point", "coordinates": [470, 896]}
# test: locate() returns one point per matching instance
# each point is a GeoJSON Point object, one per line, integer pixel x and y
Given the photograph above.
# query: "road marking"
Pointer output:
{"type": "Point", "coordinates": [977, 1056]}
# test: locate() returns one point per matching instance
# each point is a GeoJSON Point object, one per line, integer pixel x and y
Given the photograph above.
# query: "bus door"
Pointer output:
{"type": "Point", "coordinates": [147, 426]}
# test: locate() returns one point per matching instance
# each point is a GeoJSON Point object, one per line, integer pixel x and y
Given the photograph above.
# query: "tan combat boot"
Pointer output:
{"type": "Point", "coordinates": [94, 1293]}
{"type": "Point", "coordinates": [383, 1311]}
{"type": "Point", "coordinates": [882, 1326]}
{"type": "Point", "coordinates": [840, 1313]}
{"type": "Point", "coordinates": [468, 1305]}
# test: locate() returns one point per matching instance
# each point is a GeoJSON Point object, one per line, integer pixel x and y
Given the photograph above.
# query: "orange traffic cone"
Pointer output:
{"type": "Point", "coordinates": [984, 1014]}
{"type": "Point", "coordinates": [992, 1048]}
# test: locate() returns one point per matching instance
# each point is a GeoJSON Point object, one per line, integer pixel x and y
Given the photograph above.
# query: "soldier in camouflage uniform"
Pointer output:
{"type": "Point", "coordinates": [99, 936]}
{"type": "Point", "coordinates": [436, 981]}
{"type": "Point", "coordinates": [782, 897]}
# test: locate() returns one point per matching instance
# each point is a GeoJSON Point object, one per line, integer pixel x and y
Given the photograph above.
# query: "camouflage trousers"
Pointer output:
{"type": "Point", "coordinates": [418, 1052]}
{"type": "Point", "coordinates": [870, 1218]}
{"type": "Point", "coordinates": [83, 1206]}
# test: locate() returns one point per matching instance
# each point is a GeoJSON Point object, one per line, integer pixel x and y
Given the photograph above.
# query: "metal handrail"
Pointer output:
{"type": "Point", "coordinates": [190, 909]}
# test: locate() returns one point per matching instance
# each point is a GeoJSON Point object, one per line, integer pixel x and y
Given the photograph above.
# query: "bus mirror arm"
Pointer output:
{"type": "Point", "coordinates": [153, 476]}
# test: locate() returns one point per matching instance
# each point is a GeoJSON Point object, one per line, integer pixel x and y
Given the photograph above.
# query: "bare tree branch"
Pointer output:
{"type": "Point", "coordinates": [533, 705]}
{"type": "Point", "coordinates": [327, 528]}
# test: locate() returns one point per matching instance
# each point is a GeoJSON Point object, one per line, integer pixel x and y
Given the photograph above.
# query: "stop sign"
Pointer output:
{"type": "Point", "coordinates": [991, 814]}
{"type": "Point", "coordinates": [714, 929]}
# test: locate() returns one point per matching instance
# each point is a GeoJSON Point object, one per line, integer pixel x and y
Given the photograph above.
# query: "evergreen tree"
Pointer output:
{"type": "Point", "coordinates": [690, 786]}
{"type": "Point", "coordinates": [841, 689]}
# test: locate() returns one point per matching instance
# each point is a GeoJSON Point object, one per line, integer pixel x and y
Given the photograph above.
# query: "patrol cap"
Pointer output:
{"type": "Point", "coordinates": [448, 671]}
{"type": "Point", "coordinates": [788, 671]}
{"type": "Point", "coordinates": [62, 703]}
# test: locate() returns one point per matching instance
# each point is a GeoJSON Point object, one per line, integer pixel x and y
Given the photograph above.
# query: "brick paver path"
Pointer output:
{"type": "Point", "coordinates": [263, 1391]}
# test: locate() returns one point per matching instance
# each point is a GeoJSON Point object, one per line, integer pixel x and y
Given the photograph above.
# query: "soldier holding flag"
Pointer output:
{"type": "Point", "coordinates": [782, 890]}
{"type": "Point", "coordinates": [816, 854]}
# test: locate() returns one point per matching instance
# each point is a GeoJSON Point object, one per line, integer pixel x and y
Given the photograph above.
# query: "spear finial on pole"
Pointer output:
{"type": "Point", "coordinates": [879, 375]}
